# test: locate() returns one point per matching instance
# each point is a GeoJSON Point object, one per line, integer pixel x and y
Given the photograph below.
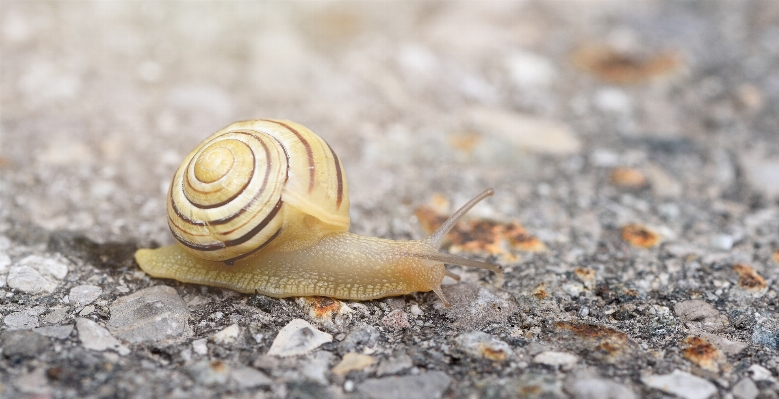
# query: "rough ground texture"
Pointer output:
{"type": "Point", "coordinates": [638, 142]}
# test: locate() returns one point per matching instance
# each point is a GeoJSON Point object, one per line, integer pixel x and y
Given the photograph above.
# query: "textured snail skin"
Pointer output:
{"type": "Point", "coordinates": [307, 256]}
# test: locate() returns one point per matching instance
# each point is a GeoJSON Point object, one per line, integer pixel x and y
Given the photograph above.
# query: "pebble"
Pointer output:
{"type": "Point", "coordinates": [430, 385]}
{"type": "Point", "coordinates": [760, 373]}
{"type": "Point", "coordinates": [34, 382]}
{"type": "Point", "coordinates": [596, 388]}
{"type": "Point", "coordinates": [563, 360]}
{"type": "Point", "coordinates": [613, 100]}
{"type": "Point", "coordinates": [528, 69]}
{"type": "Point", "coordinates": [396, 320]}
{"type": "Point", "coordinates": [351, 362]}
{"type": "Point", "coordinates": [763, 175]}
{"type": "Point", "coordinates": [699, 314]}
{"type": "Point", "coordinates": [36, 274]}
{"type": "Point", "coordinates": [316, 368]}
{"type": "Point", "coordinates": [56, 315]}
{"type": "Point", "coordinates": [227, 336]}
{"type": "Point", "coordinates": [532, 133]}
{"type": "Point", "coordinates": [681, 384]}
{"type": "Point", "coordinates": [298, 337]}
{"type": "Point", "coordinates": [766, 333]}
{"type": "Point", "coordinates": [200, 347]}
{"type": "Point", "coordinates": [97, 338]}
{"type": "Point", "coordinates": [363, 337]}
{"type": "Point", "coordinates": [59, 332]}
{"type": "Point", "coordinates": [722, 241]}
{"type": "Point", "coordinates": [82, 295]}
{"type": "Point", "coordinates": [23, 344]}
{"type": "Point", "coordinates": [483, 345]}
{"type": "Point", "coordinates": [25, 319]}
{"type": "Point", "coordinates": [745, 389]}
{"type": "Point", "coordinates": [247, 377]}
{"type": "Point", "coordinates": [5, 261]}
{"type": "Point", "coordinates": [151, 314]}
{"type": "Point", "coordinates": [209, 373]}
{"type": "Point", "coordinates": [399, 362]}
{"type": "Point", "coordinates": [664, 185]}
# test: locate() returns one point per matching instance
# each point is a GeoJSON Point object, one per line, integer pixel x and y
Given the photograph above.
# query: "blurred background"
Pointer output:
{"type": "Point", "coordinates": [637, 102]}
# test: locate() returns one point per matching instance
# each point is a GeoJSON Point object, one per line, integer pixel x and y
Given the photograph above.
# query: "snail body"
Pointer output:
{"type": "Point", "coordinates": [262, 206]}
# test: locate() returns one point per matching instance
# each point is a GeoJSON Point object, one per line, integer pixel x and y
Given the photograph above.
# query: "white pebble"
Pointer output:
{"type": "Point", "coordinates": [681, 384]}
{"type": "Point", "coordinates": [81, 295]}
{"type": "Point", "coordinates": [298, 338]}
{"type": "Point", "coordinates": [36, 274]}
{"type": "Point", "coordinates": [227, 335]}
{"type": "Point", "coordinates": [564, 360]}
{"type": "Point", "coordinates": [200, 346]}
{"type": "Point", "coordinates": [97, 338]}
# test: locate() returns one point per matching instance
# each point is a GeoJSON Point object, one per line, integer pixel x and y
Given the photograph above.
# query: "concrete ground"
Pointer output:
{"type": "Point", "coordinates": [633, 148]}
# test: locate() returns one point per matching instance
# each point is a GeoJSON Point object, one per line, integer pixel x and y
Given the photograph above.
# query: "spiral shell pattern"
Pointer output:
{"type": "Point", "coordinates": [228, 195]}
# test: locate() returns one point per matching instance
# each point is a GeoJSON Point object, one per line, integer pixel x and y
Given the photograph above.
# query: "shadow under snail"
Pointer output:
{"type": "Point", "coordinates": [262, 206]}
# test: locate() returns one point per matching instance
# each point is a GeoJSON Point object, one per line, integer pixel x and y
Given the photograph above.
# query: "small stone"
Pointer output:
{"type": "Point", "coordinates": [200, 347]}
{"type": "Point", "coordinates": [682, 384]}
{"type": "Point", "coordinates": [82, 295]}
{"type": "Point", "coordinates": [640, 236]}
{"type": "Point", "coordinates": [750, 280]}
{"type": "Point", "coordinates": [722, 242]}
{"type": "Point", "coordinates": [745, 389]}
{"type": "Point", "coordinates": [298, 338]}
{"type": "Point", "coordinates": [209, 373]}
{"type": "Point", "coordinates": [227, 336]}
{"type": "Point", "coordinates": [34, 382]}
{"type": "Point", "coordinates": [613, 100]}
{"type": "Point", "coordinates": [702, 353]}
{"type": "Point", "coordinates": [699, 314]}
{"type": "Point", "coordinates": [663, 184]}
{"type": "Point", "coordinates": [588, 387]}
{"type": "Point", "coordinates": [247, 377]}
{"type": "Point", "coordinates": [25, 319]}
{"type": "Point", "coordinates": [5, 261]}
{"type": "Point", "coordinates": [760, 373]}
{"type": "Point", "coordinates": [483, 345]}
{"type": "Point", "coordinates": [97, 338]}
{"type": "Point", "coordinates": [628, 177]}
{"type": "Point", "coordinates": [762, 174]}
{"type": "Point", "coordinates": [528, 69]}
{"type": "Point", "coordinates": [351, 362]}
{"type": "Point", "coordinates": [36, 274]}
{"type": "Point", "coordinates": [766, 334]}
{"type": "Point", "coordinates": [395, 364]}
{"type": "Point", "coordinates": [727, 346]}
{"type": "Point", "coordinates": [59, 332]}
{"type": "Point", "coordinates": [563, 360]}
{"type": "Point", "coordinates": [430, 385]}
{"type": "Point", "coordinates": [528, 132]}
{"type": "Point", "coordinates": [151, 314]}
{"type": "Point", "coordinates": [23, 344]}
{"type": "Point", "coordinates": [316, 368]}
{"type": "Point", "coordinates": [396, 320]}
{"type": "Point", "coordinates": [363, 337]}
{"type": "Point", "coordinates": [57, 315]}
{"type": "Point", "coordinates": [87, 310]}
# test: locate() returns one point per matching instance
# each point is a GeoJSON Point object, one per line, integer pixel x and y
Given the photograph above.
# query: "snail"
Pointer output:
{"type": "Point", "coordinates": [262, 206]}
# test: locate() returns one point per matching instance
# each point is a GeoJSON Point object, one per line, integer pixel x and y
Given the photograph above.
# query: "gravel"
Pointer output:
{"type": "Point", "coordinates": [634, 145]}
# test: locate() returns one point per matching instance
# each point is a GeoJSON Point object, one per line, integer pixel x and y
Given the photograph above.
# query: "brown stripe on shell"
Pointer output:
{"type": "Point", "coordinates": [309, 152]}
{"type": "Point", "coordinates": [339, 177]}
{"type": "Point", "coordinates": [217, 245]}
{"type": "Point", "coordinates": [231, 261]}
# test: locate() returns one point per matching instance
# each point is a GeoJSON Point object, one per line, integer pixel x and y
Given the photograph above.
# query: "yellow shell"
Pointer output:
{"type": "Point", "coordinates": [229, 197]}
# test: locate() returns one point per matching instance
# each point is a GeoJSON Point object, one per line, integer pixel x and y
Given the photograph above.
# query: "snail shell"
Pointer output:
{"type": "Point", "coordinates": [229, 194]}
